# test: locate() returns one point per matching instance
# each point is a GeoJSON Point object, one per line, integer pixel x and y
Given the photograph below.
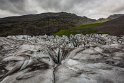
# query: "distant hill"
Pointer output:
{"type": "Point", "coordinates": [82, 29]}
{"type": "Point", "coordinates": [40, 24]}
{"type": "Point", "coordinates": [111, 17]}
{"type": "Point", "coordinates": [114, 16]}
{"type": "Point", "coordinates": [113, 27]}
{"type": "Point", "coordinates": [61, 23]}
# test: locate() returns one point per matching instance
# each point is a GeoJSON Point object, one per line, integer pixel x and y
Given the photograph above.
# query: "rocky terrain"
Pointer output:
{"type": "Point", "coordinates": [91, 58]}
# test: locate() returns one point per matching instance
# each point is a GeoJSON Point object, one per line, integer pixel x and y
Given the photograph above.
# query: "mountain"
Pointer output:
{"type": "Point", "coordinates": [111, 17]}
{"type": "Point", "coordinates": [40, 24]}
{"type": "Point", "coordinates": [61, 23]}
{"type": "Point", "coordinates": [113, 27]}
{"type": "Point", "coordinates": [114, 16]}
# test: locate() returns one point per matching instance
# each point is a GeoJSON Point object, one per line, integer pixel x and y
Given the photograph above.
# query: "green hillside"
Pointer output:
{"type": "Point", "coordinates": [84, 29]}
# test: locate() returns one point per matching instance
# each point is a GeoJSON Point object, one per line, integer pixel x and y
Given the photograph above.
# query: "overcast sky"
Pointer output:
{"type": "Point", "coordinates": [90, 8]}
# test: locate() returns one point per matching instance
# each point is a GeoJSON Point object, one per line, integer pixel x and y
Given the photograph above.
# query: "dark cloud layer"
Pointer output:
{"type": "Point", "coordinates": [90, 8]}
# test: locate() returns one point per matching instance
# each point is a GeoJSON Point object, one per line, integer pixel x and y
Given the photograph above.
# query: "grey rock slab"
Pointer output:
{"type": "Point", "coordinates": [40, 76]}
{"type": "Point", "coordinates": [79, 58]}
{"type": "Point", "coordinates": [74, 71]}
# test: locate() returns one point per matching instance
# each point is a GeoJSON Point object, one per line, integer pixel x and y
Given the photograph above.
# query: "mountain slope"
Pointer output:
{"type": "Point", "coordinates": [111, 17]}
{"type": "Point", "coordinates": [113, 27]}
{"type": "Point", "coordinates": [39, 24]}
{"type": "Point", "coordinates": [114, 16]}
{"type": "Point", "coordinates": [82, 29]}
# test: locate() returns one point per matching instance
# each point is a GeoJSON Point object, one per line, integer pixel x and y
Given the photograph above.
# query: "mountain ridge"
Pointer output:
{"type": "Point", "coordinates": [40, 24]}
{"type": "Point", "coordinates": [113, 27]}
{"type": "Point", "coordinates": [51, 23]}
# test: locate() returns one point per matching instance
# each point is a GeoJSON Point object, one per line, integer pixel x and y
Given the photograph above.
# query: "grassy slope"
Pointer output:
{"type": "Point", "coordinates": [84, 29]}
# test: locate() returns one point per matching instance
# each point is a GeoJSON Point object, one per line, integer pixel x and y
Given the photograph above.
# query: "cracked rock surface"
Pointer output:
{"type": "Point", "coordinates": [79, 58]}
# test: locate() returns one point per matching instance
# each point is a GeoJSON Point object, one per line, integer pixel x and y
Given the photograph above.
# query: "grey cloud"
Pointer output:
{"type": "Point", "coordinates": [90, 8]}
{"type": "Point", "coordinates": [15, 6]}
{"type": "Point", "coordinates": [119, 9]}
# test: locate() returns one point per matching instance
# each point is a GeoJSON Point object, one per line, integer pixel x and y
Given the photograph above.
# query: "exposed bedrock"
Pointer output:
{"type": "Point", "coordinates": [53, 59]}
